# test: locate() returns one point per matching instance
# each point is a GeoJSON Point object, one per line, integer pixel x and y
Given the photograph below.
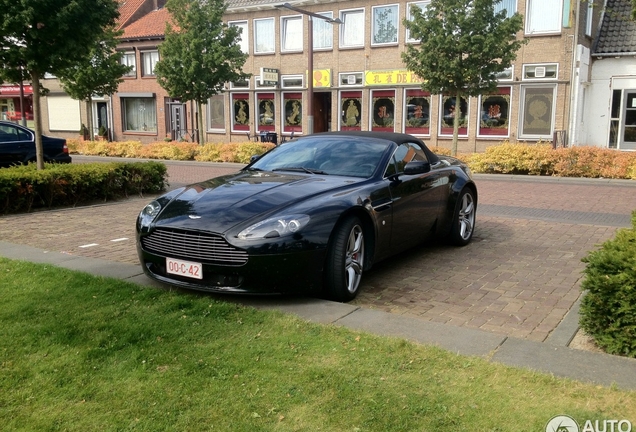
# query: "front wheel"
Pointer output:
{"type": "Point", "coordinates": [345, 261]}
{"type": "Point", "coordinates": [464, 219]}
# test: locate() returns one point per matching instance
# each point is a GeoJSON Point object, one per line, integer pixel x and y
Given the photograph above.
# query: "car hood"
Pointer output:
{"type": "Point", "coordinates": [221, 203]}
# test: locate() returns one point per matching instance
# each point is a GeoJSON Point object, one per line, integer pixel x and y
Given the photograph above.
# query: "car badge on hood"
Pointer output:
{"type": "Point", "coordinates": [194, 217]}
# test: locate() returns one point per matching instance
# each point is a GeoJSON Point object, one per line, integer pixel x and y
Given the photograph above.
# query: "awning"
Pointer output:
{"type": "Point", "coordinates": [14, 90]}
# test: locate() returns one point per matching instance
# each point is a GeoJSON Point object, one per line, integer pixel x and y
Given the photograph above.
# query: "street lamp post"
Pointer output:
{"type": "Point", "coordinates": [310, 60]}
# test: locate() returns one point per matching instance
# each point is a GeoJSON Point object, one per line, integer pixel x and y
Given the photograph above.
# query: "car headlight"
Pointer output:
{"type": "Point", "coordinates": [149, 213]}
{"type": "Point", "coordinates": [274, 227]}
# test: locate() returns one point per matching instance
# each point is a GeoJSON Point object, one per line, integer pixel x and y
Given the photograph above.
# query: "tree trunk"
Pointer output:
{"type": "Point", "coordinates": [458, 113]}
{"type": "Point", "coordinates": [37, 117]}
{"type": "Point", "coordinates": [201, 129]}
{"type": "Point", "coordinates": [89, 118]}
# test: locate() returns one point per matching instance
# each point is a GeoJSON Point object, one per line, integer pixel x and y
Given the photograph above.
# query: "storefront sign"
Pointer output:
{"type": "Point", "coordinates": [269, 77]}
{"type": "Point", "coordinates": [14, 90]}
{"type": "Point", "coordinates": [322, 78]}
{"type": "Point", "coordinates": [391, 77]}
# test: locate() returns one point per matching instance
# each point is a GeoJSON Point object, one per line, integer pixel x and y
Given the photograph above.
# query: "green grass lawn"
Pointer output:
{"type": "Point", "coordinates": [83, 353]}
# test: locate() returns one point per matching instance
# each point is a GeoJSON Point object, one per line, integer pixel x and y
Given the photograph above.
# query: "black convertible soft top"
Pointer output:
{"type": "Point", "coordinates": [397, 138]}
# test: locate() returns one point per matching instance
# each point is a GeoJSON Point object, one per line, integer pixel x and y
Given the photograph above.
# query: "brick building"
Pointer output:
{"type": "Point", "coordinates": [359, 80]}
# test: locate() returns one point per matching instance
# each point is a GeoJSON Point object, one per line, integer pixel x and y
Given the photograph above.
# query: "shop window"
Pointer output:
{"type": "Point", "coordinates": [352, 28]}
{"type": "Point", "coordinates": [385, 25]}
{"type": "Point", "coordinates": [216, 113]}
{"type": "Point", "coordinates": [543, 16]}
{"type": "Point", "coordinates": [240, 112]}
{"type": "Point", "coordinates": [149, 60]}
{"type": "Point", "coordinates": [266, 112]}
{"type": "Point", "coordinates": [128, 59]}
{"type": "Point", "coordinates": [548, 71]}
{"type": "Point", "coordinates": [264, 36]}
{"type": "Point", "coordinates": [494, 113]}
{"type": "Point", "coordinates": [293, 112]}
{"type": "Point", "coordinates": [417, 112]}
{"type": "Point", "coordinates": [382, 110]}
{"type": "Point", "coordinates": [323, 32]}
{"type": "Point", "coordinates": [421, 5]}
{"type": "Point", "coordinates": [351, 79]}
{"type": "Point", "coordinates": [350, 110]}
{"type": "Point", "coordinates": [510, 6]}
{"type": "Point", "coordinates": [292, 33]}
{"type": "Point", "coordinates": [537, 111]}
{"type": "Point", "coordinates": [450, 109]}
{"type": "Point", "coordinates": [243, 39]}
{"type": "Point", "coordinates": [139, 114]}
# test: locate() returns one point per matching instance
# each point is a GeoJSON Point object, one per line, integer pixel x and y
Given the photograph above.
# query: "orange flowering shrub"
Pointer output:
{"type": "Point", "coordinates": [231, 152]}
{"type": "Point", "coordinates": [168, 150]}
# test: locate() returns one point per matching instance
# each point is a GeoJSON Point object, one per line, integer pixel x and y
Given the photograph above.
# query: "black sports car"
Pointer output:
{"type": "Point", "coordinates": [311, 214]}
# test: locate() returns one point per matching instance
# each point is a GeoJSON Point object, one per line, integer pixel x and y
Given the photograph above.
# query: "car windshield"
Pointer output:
{"type": "Point", "coordinates": [326, 155]}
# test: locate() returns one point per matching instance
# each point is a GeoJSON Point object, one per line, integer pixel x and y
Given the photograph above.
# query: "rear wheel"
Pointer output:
{"type": "Point", "coordinates": [345, 260]}
{"type": "Point", "coordinates": [464, 218]}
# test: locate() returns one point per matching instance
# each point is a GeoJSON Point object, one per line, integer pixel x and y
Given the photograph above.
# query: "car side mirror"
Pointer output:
{"type": "Point", "coordinates": [417, 167]}
{"type": "Point", "coordinates": [254, 158]}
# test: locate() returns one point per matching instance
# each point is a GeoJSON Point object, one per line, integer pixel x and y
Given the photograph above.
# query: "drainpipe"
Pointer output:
{"type": "Point", "coordinates": [574, 79]}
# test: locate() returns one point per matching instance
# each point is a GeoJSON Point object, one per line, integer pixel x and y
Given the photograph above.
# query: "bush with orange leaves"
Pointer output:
{"type": "Point", "coordinates": [542, 159]}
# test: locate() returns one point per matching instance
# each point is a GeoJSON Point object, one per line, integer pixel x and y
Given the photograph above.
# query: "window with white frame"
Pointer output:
{"type": "Point", "coordinates": [351, 79]}
{"type": "Point", "coordinates": [139, 114]}
{"type": "Point", "coordinates": [265, 85]}
{"type": "Point", "coordinates": [240, 105]}
{"type": "Point", "coordinates": [264, 36]}
{"type": "Point", "coordinates": [543, 16]}
{"type": "Point", "coordinates": [537, 111]}
{"type": "Point", "coordinates": [417, 112]}
{"type": "Point", "coordinates": [506, 75]}
{"type": "Point", "coordinates": [510, 6]}
{"type": "Point", "coordinates": [421, 5]}
{"type": "Point", "coordinates": [291, 81]}
{"type": "Point", "coordinates": [382, 110]}
{"type": "Point", "coordinates": [548, 71]}
{"type": "Point", "coordinates": [494, 113]}
{"type": "Point", "coordinates": [385, 25]}
{"type": "Point", "coordinates": [242, 85]}
{"type": "Point", "coordinates": [148, 61]}
{"type": "Point", "coordinates": [216, 113]}
{"type": "Point", "coordinates": [449, 110]}
{"type": "Point", "coordinates": [323, 32]}
{"type": "Point", "coordinates": [352, 28]}
{"type": "Point", "coordinates": [243, 39]}
{"type": "Point", "coordinates": [291, 28]}
{"type": "Point", "coordinates": [128, 59]}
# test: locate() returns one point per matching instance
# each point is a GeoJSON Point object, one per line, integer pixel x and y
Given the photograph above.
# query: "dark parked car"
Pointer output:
{"type": "Point", "coordinates": [17, 146]}
{"type": "Point", "coordinates": [311, 214]}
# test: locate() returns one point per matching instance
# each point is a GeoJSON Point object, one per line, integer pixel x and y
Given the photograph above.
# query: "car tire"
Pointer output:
{"type": "Point", "coordinates": [464, 218]}
{"type": "Point", "coordinates": [345, 261]}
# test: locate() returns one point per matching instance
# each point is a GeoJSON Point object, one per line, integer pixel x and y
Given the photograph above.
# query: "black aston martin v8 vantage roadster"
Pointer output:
{"type": "Point", "coordinates": [311, 214]}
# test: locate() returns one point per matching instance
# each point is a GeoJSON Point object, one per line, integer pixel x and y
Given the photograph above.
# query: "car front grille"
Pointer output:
{"type": "Point", "coordinates": [202, 247]}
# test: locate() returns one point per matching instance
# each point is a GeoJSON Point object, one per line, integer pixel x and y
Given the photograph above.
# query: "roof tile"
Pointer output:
{"type": "Point", "coordinates": [618, 32]}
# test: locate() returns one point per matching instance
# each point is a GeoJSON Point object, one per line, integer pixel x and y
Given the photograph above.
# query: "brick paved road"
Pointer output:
{"type": "Point", "coordinates": [519, 277]}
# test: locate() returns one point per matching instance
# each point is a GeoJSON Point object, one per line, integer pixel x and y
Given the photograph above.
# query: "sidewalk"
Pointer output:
{"type": "Point", "coordinates": [551, 356]}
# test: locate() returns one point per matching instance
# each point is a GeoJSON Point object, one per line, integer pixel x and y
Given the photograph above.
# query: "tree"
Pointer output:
{"type": "Point", "coordinates": [464, 44]}
{"type": "Point", "coordinates": [200, 53]}
{"type": "Point", "coordinates": [99, 74]}
{"type": "Point", "coordinates": [40, 36]}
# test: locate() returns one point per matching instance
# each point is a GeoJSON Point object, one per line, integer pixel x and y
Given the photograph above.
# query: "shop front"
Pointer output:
{"type": "Point", "coordinates": [11, 105]}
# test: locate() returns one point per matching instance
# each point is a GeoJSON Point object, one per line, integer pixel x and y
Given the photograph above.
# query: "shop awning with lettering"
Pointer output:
{"type": "Point", "coordinates": [14, 90]}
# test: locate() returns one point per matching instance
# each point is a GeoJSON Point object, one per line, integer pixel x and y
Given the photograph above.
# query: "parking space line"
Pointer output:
{"type": "Point", "coordinates": [89, 245]}
{"type": "Point", "coordinates": [119, 239]}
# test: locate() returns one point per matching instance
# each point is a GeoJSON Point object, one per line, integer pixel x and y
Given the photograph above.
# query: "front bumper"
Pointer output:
{"type": "Point", "coordinates": [291, 272]}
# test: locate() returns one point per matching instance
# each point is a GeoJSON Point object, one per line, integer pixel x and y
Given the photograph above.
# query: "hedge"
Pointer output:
{"type": "Point", "coordinates": [24, 188]}
{"type": "Point", "coordinates": [608, 307]}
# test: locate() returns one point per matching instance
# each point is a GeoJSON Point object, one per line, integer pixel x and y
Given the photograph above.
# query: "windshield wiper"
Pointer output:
{"type": "Point", "coordinates": [301, 169]}
{"type": "Point", "coordinates": [252, 169]}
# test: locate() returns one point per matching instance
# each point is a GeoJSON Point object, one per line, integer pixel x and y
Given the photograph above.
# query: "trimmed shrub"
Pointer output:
{"type": "Point", "coordinates": [231, 152]}
{"type": "Point", "coordinates": [24, 188]}
{"type": "Point", "coordinates": [608, 308]}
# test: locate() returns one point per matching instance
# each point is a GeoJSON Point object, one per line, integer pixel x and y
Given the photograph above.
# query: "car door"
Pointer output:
{"type": "Point", "coordinates": [15, 143]}
{"type": "Point", "coordinates": [416, 198]}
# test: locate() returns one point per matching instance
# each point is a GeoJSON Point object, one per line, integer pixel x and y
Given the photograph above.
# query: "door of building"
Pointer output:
{"type": "Point", "coordinates": [100, 121]}
{"type": "Point", "coordinates": [322, 112]}
{"type": "Point", "coordinates": [178, 121]}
